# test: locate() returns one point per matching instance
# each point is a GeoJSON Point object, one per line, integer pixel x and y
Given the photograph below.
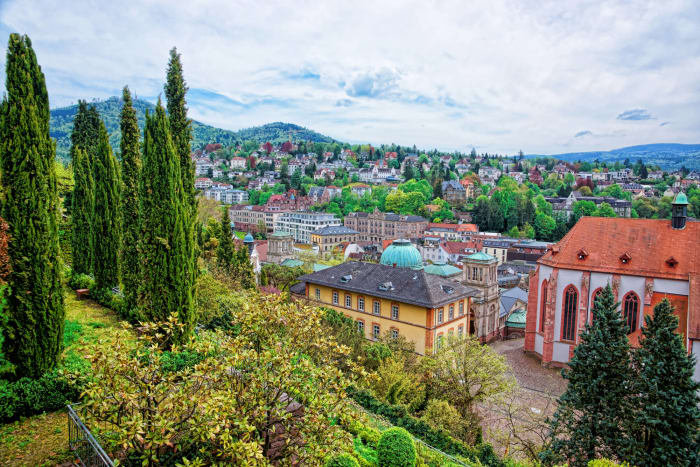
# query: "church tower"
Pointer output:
{"type": "Point", "coordinates": [679, 211]}
{"type": "Point", "coordinates": [480, 272]}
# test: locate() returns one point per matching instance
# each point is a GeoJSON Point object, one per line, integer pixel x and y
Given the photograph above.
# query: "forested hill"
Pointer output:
{"type": "Point", "coordinates": [668, 156]}
{"type": "Point", "coordinates": [109, 109]}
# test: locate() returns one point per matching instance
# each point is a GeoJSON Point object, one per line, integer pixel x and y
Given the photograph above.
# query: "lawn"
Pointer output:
{"type": "Point", "coordinates": [43, 439]}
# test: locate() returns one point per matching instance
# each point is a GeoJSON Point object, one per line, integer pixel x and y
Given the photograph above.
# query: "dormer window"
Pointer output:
{"type": "Point", "coordinates": [625, 258]}
{"type": "Point", "coordinates": [346, 278]}
{"type": "Point", "coordinates": [555, 250]}
{"type": "Point", "coordinates": [672, 262]}
{"type": "Point", "coordinates": [581, 254]}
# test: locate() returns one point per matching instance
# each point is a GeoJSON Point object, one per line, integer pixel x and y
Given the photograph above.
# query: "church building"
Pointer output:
{"type": "Point", "coordinates": [644, 260]}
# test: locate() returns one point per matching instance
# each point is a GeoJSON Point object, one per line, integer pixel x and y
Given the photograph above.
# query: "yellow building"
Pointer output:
{"type": "Point", "coordinates": [328, 238]}
{"type": "Point", "coordinates": [394, 300]}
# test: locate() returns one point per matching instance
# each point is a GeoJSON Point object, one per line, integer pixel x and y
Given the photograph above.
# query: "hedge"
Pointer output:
{"type": "Point", "coordinates": [342, 460]}
{"type": "Point", "coordinates": [26, 397]}
{"type": "Point", "coordinates": [399, 416]}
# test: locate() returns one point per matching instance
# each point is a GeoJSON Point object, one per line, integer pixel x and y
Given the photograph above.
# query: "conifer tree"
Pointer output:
{"type": "Point", "coordinates": [667, 418]}
{"type": "Point", "coordinates": [226, 250]}
{"type": "Point", "coordinates": [181, 135]}
{"type": "Point", "coordinates": [82, 240]}
{"type": "Point", "coordinates": [589, 422]}
{"type": "Point", "coordinates": [131, 218]}
{"type": "Point", "coordinates": [167, 285]}
{"type": "Point", "coordinates": [34, 329]}
{"type": "Point", "coordinates": [85, 136]}
{"type": "Point", "coordinates": [244, 268]}
{"type": "Point", "coordinates": [107, 219]}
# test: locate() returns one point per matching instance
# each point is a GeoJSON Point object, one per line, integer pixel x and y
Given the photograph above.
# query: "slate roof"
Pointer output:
{"type": "Point", "coordinates": [405, 285]}
{"type": "Point", "coordinates": [454, 184]}
{"type": "Point", "coordinates": [508, 299]}
{"type": "Point", "coordinates": [335, 230]}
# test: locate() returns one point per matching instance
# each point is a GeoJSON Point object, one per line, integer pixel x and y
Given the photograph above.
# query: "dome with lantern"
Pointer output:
{"type": "Point", "coordinates": [403, 254]}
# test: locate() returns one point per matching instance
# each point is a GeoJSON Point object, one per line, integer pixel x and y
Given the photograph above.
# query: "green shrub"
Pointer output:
{"type": "Point", "coordinates": [26, 396]}
{"type": "Point", "coordinates": [606, 463]}
{"type": "Point", "coordinates": [370, 437]}
{"type": "Point", "coordinates": [366, 456]}
{"type": "Point", "coordinates": [81, 281]}
{"type": "Point", "coordinates": [438, 438]}
{"type": "Point", "coordinates": [396, 449]}
{"type": "Point", "coordinates": [178, 361]}
{"type": "Point", "coordinates": [342, 460]}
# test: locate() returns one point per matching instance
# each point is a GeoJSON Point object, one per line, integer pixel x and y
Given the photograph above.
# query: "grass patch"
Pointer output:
{"type": "Point", "coordinates": [71, 332]}
{"type": "Point", "coordinates": [43, 439]}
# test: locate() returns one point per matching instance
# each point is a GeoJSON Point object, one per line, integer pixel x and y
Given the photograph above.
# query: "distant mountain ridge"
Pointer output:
{"type": "Point", "coordinates": [668, 156]}
{"type": "Point", "coordinates": [61, 126]}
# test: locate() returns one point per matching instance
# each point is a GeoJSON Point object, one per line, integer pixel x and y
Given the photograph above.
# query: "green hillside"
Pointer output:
{"type": "Point", "coordinates": [109, 109]}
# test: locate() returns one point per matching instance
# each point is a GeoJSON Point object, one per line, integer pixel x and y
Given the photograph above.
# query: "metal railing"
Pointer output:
{"type": "Point", "coordinates": [85, 447]}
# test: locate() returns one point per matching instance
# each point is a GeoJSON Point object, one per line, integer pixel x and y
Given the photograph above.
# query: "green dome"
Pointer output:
{"type": "Point", "coordinates": [481, 257]}
{"type": "Point", "coordinates": [248, 238]}
{"type": "Point", "coordinates": [442, 269]}
{"type": "Point", "coordinates": [681, 199]}
{"type": "Point", "coordinates": [403, 254]}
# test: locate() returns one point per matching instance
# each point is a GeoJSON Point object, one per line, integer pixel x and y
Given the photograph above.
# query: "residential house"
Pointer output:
{"type": "Point", "coordinates": [453, 192]}
{"type": "Point", "coordinates": [328, 238]}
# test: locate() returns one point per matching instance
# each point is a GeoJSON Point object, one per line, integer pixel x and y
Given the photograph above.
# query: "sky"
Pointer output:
{"type": "Point", "coordinates": [544, 77]}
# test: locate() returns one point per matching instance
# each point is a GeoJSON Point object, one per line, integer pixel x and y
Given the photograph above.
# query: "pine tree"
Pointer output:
{"type": "Point", "coordinates": [167, 285]}
{"type": "Point", "coordinates": [84, 139]}
{"type": "Point", "coordinates": [589, 421]}
{"type": "Point", "coordinates": [226, 251]}
{"type": "Point", "coordinates": [131, 218]}
{"type": "Point", "coordinates": [667, 416]}
{"type": "Point", "coordinates": [107, 219]}
{"type": "Point", "coordinates": [34, 331]}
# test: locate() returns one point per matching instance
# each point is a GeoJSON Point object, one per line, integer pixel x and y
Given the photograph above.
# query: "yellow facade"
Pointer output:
{"type": "Point", "coordinates": [417, 324]}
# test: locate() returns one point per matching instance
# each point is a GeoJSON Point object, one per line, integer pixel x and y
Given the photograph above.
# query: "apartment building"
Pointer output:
{"type": "Point", "coordinates": [302, 223]}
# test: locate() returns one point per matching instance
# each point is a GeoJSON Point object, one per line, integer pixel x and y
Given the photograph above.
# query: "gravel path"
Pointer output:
{"type": "Point", "coordinates": [528, 370]}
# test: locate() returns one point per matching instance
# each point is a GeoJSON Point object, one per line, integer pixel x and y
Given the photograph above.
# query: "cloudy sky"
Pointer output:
{"type": "Point", "coordinates": [541, 76]}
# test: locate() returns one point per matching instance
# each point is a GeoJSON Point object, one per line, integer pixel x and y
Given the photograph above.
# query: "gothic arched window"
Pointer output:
{"type": "Point", "coordinates": [568, 322]}
{"type": "Point", "coordinates": [543, 304]}
{"type": "Point", "coordinates": [630, 310]}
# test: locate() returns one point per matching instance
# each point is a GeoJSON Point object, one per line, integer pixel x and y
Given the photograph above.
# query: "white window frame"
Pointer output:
{"type": "Point", "coordinates": [394, 311]}
{"type": "Point", "coordinates": [318, 293]}
{"type": "Point", "coordinates": [376, 331]}
{"type": "Point", "coordinates": [335, 297]}
{"type": "Point", "coordinates": [361, 303]}
{"type": "Point", "coordinates": [440, 315]}
{"type": "Point", "coordinates": [377, 308]}
{"type": "Point", "coordinates": [348, 301]}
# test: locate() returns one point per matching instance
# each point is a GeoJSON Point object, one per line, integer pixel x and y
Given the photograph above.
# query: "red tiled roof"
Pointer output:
{"type": "Point", "coordinates": [649, 243]}
{"type": "Point", "coordinates": [261, 248]}
{"type": "Point", "coordinates": [455, 227]}
{"type": "Point", "coordinates": [455, 248]}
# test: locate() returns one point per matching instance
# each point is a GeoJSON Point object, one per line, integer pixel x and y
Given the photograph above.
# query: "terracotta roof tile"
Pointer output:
{"type": "Point", "coordinates": [648, 243]}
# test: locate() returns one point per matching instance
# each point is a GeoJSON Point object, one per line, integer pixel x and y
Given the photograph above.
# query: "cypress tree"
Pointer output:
{"type": "Point", "coordinates": [34, 330]}
{"type": "Point", "coordinates": [181, 134]}
{"type": "Point", "coordinates": [107, 219]}
{"type": "Point", "coordinates": [589, 421]}
{"type": "Point", "coordinates": [167, 286]}
{"type": "Point", "coordinates": [82, 240]}
{"type": "Point", "coordinates": [244, 268]}
{"type": "Point", "coordinates": [85, 136]}
{"type": "Point", "coordinates": [667, 419]}
{"type": "Point", "coordinates": [180, 127]}
{"type": "Point", "coordinates": [131, 219]}
{"type": "Point", "coordinates": [226, 251]}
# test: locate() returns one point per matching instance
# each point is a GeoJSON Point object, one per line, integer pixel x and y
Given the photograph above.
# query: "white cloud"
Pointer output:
{"type": "Point", "coordinates": [500, 75]}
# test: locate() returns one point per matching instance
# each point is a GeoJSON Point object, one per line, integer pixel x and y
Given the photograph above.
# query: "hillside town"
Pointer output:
{"type": "Point", "coordinates": [173, 293]}
{"type": "Point", "coordinates": [331, 214]}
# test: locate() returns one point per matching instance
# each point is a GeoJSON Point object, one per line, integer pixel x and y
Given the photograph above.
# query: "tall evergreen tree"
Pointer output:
{"type": "Point", "coordinates": [226, 250]}
{"type": "Point", "coordinates": [167, 286]}
{"type": "Point", "coordinates": [107, 219]}
{"type": "Point", "coordinates": [589, 422]}
{"type": "Point", "coordinates": [667, 421]}
{"type": "Point", "coordinates": [181, 134]}
{"type": "Point", "coordinates": [83, 207]}
{"type": "Point", "coordinates": [243, 268]}
{"type": "Point", "coordinates": [34, 330]}
{"type": "Point", "coordinates": [85, 136]}
{"type": "Point", "coordinates": [131, 218]}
